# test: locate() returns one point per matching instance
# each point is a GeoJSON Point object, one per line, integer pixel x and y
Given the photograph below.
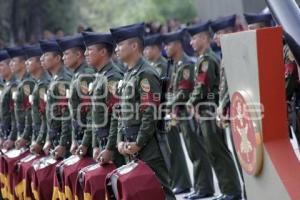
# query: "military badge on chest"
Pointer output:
{"type": "Point", "coordinates": [186, 74]}
{"type": "Point", "coordinates": [26, 89]}
{"type": "Point", "coordinates": [84, 88]}
{"type": "Point", "coordinates": [145, 85]}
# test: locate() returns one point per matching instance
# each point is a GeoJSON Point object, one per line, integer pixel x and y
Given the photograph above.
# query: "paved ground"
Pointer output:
{"type": "Point", "coordinates": [180, 197]}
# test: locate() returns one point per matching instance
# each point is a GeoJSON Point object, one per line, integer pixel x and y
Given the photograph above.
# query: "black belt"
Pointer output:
{"type": "Point", "coordinates": [130, 132]}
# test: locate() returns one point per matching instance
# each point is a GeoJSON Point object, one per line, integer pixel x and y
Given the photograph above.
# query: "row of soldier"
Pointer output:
{"type": "Point", "coordinates": [73, 99]}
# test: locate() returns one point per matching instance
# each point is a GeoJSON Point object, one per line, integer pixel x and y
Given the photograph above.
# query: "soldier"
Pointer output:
{"type": "Point", "coordinates": [39, 130]}
{"type": "Point", "coordinates": [73, 56]}
{"type": "Point", "coordinates": [103, 94]}
{"type": "Point", "coordinates": [182, 86]}
{"type": "Point", "coordinates": [140, 91]}
{"type": "Point", "coordinates": [20, 97]}
{"type": "Point", "coordinates": [57, 112]}
{"type": "Point", "coordinates": [58, 120]}
{"type": "Point", "coordinates": [8, 123]}
{"type": "Point", "coordinates": [152, 52]}
{"type": "Point", "coordinates": [38, 104]}
{"type": "Point", "coordinates": [227, 175]}
{"type": "Point", "coordinates": [256, 21]}
{"type": "Point", "coordinates": [179, 174]}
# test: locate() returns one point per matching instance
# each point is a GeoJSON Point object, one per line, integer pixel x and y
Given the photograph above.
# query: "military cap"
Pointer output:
{"type": "Point", "coordinates": [3, 55]}
{"type": "Point", "coordinates": [49, 46]}
{"type": "Point", "coordinates": [15, 52]}
{"type": "Point", "coordinates": [33, 51]}
{"type": "Point", "coordinates": [174, 36]}
{"type": "Point", "coordinates": [91, 38]}
{"type": "Point", "coordinates": [155, 39]}
{"type": "Point", "coordinates": [253, 18]}
{"type": "Point", "coordinates": [69, 42]}
{"type": "Point", "coordinates": [130, 31]}
{"type": "Point", "coordinates": [223, 23]}
{"type": "Point", "coordinates": [198, 28]}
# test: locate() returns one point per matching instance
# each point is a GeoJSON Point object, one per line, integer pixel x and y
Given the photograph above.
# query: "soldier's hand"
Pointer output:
{"type": "Point", "coordinates": [47, 147]}
{"type": "Point", "coordinates": [121, 148]}
{"type": "Point", "coordinates": [36, 148]}
{"type": "Point", "coordinates": [132, 148]}
{"type": "Point", "coordinates": [59, 152]}
{"type": "Point", "coordinates": [74, 148]}
{"type": "Point", "coordinates": [82, 151]}
{"type": "Point", "coordinates": [105, 157]}
{"type": "Point", "coordinates": [96, 152]}
{"type": "Point", "coordinates": [21, 143]}
{"type": "Point", "coordinates": [8, 144]}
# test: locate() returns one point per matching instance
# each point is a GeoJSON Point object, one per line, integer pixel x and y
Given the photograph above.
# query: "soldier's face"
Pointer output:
{"type": "Point", "coordinates": [92, 55]}
{"type": "Point", "coordinates": [151, 52]}
{"type": "Point", "coordinates": [32, 64]}
{"type": "Point", "coordinates": [197, 42]}
{"type": "Point", "coordinates": [48, 60]}
{"type": "Point", "coordinates": [70, 58]}
{"type": "Point", "coordinates": [16, 64]}
{"type": "Point", "coordinates": [171, 48]}
{"type": "Point", "coordinates": [123, 50]}
{"type": "Point", "coordinates": [4, 68]}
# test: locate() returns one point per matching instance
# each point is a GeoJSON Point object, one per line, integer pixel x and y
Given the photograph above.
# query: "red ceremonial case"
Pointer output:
{"type": "Point", "coordinates": [8, 167]}
{"type": "Point", "coordinates": [67, 170]}
{"type": "Point", "coordinates": [90, 183]}
{"type": "Point", "coordinates": [42, 177]}
{"type": "Point", "coordinates": [134, 181]}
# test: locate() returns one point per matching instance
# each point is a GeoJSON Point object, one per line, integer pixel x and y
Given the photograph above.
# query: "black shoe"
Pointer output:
{"type": "Point", "coordinates": [228, 197]}
{"type": "Point", "coordinates": [189, 194]}
{"type": "Point", "coordinates": [179, 190]}
{"type": "Point", "coordinates": [199, 195]}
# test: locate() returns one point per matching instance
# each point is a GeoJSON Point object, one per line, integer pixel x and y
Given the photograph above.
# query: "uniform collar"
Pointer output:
{"type": "Point", "coordinates": [44, 76]}
{"type": "Point", "coordinates": [11, 80]}
{"type": "Point", "coordinates": [80, 69]}
{"type": "Point", "coordinates": [59, 73]}
{"type": "Point", "coordinates": [183, 59]}
{"type": "Point", "coordinates": [107, 67]}
{"type": "Point", "coordinates": [136, 68]}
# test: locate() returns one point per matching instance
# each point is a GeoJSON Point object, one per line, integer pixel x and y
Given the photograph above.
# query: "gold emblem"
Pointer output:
{"type": "Point", "coordinates": [145, 85]}
{"type": "Point", "coordinates": [112, 87]}
{"type": "Point", "coordinates": [186, 74]}
{"type": "Point", "coordinates": [42, 92]}
{"type": "Point", "coordinates": [26, 89]}
{"type": "Point", "coordinates": [84, 88]}
{"type": "Point", "coordinates": [204, 66]}
{"type": "Point", "coordinates": [62, 89]}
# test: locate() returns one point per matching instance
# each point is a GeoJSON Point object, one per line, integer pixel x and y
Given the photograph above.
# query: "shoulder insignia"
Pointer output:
{"type": "Point", "coordinates": [112, 87]}
{"type": "Point", "coordinates": [61, 89]}
{"type": "Point", "coordinates": [14, 92]}
{"type": "Point", "coordinates": [84, 88]}
{"type": "Point", "coordinates": [42, 92]}
{"type": "Point", "coordinates": [186, 74]}
{"type": "Point", "coordinates": [204, 66]}
{"type": "Point", "coordinates": [26, 89]}
{"type": "Point", "coordinates": [145, 85]}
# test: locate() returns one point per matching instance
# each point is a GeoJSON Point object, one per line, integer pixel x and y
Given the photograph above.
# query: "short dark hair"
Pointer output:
{"type": "Point", "coordinates": [80, 49]}
{"type": "Point", "coordinates": [139, 41]}
{"type": "Point", "coordinates": [109, 48]}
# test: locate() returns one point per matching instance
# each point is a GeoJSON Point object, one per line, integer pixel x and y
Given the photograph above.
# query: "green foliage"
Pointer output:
{"type": "Point", "coordinates": [103, 14]}
{"type": "Point", "coordinates": [22, 20]}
